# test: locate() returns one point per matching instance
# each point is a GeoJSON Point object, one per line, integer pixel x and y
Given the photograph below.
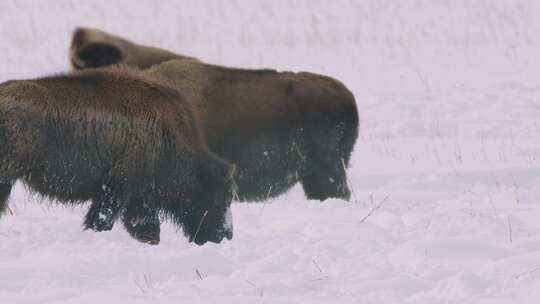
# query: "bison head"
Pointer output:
{"type": "Point", "coordinates": [96, 55]}
{"type": "Point", "coordinates": [211, 216]}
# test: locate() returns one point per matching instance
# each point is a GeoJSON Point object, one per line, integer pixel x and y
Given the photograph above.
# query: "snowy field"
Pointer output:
{"type": "Point", "coordinates": [446, 172]}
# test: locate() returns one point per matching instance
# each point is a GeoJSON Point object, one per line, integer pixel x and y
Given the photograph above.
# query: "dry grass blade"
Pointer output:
{"type": "Point", "coordinates": [200, 224]}
{"type": "Point", "coordinates": [317, 265]}
{"type": "Point", "coordinates": [519, 275]}
{"type": "Point", "coordinates": [375, 208]}
{"type": "Point", "coordinates": [264, 203]}
{"type": "Point", "coordinates": [199, 274]}
{"type": "Point", "coordinates": [260, 290]}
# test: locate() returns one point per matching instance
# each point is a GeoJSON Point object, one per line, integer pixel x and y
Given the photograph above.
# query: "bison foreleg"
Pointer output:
{"type": "Point", "coordinates": [5, 191]}
{"type": "Point", "coordinates": [102, 213]}
{"type": "Point", "coordinates": [323, 182]}
{"type": "Point", "coordinates": [142, 222]}
{"type": "Point", "coordinates": [324, 175]}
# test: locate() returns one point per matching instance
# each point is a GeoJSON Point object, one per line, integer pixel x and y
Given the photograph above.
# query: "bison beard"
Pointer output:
{"type": "Point", "coordinates": [129, 145]}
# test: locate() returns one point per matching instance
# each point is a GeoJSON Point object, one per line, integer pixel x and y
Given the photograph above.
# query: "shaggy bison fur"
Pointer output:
{"type": "Point", "coordinates": [130, 145]}
{"type": "Point", "coordinates": [279, 128]}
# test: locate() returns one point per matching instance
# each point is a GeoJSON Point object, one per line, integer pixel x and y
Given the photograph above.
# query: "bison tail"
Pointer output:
{"type": "Point", "coordinates": [350, 132]}
{"type": "Point", "coordinates": [5, 183]}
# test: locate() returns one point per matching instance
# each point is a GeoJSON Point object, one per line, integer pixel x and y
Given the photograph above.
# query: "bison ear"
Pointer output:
{"type": "Point", "coordinates": [95, 55]}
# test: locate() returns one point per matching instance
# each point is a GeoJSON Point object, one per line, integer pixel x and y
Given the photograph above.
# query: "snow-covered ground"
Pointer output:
{"type": "Point", "coordinates": [446, 172]}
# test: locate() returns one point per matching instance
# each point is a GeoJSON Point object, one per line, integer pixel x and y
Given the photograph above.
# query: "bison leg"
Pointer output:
{"type": "Point", "coordinates": [5, 191]}
{"type": "Point", "coordinates": [142, 222]}
{"type": "Point", "coordinates": [323, 175]}
{"type": "Point", "coordinates": [322, 180]}
{"type": "Point", "coordinates": [102, 213]}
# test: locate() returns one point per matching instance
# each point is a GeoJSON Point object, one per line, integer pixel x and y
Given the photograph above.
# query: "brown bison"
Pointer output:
{"type": "Point", "coordinates": [130, 145]}
{"type": "Point", "coordinates": [278, 128]}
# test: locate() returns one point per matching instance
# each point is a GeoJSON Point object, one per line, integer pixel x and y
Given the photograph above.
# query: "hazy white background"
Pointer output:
{"type": "Point", "coordinates": [449, 101]}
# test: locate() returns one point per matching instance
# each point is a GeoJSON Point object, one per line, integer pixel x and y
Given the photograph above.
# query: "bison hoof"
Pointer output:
{"type": "Point", "coordinates": [151, 242]}
{"type": "Point", "coordinates": [147, 233]}
{"type": "Point", "coordinates": [147, 239]}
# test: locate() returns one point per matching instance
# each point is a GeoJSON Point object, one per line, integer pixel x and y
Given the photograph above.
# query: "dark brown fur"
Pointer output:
{"type": "Point", "coordinates": [278, 128]}
{"type": "Point", "coordinates": [127, 143]}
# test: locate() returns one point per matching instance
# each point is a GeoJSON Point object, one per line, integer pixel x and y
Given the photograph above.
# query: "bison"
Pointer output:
{"type": "Point", "coordinates": [279, 128]}
{"type": "Point", "coordinates": [130, 145]}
